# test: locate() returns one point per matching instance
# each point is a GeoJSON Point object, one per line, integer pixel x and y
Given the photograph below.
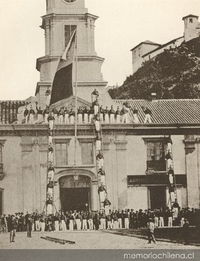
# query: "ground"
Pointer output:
{"type": "Point", "coordinates": [85, 240]}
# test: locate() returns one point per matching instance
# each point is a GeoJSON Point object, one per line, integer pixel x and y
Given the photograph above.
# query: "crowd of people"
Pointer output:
{"type": "Point", "coordinates": [95, 220]}
{"type": "Point", "coordinates": [32, 114]}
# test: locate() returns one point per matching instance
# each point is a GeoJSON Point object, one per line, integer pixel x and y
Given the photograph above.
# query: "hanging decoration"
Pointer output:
{"type": "Point", "coordinates": [50, 169]}
{"type": "Point", "coordinates": [97, 115]}
{"type": "Point", "coordinates": [170, 172]}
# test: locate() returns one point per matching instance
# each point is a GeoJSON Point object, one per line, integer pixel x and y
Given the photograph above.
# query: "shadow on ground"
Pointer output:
{"type": "Point", "coordinates": [166, 234]}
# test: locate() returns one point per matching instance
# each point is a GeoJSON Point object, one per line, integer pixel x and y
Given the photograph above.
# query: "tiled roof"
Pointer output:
{"type": "Point", "coordinates": [150, 42]}
{"type": "Point", "coordinates": [190, 15]}
{"type": "Point", "coordinates": [145, 42]}
{"type": "Point", "coordinates": [183, 111]}
{"type": "Point", "coordinates": [162, 46]}
{"type": "Point", "coordinates": [8, 111]}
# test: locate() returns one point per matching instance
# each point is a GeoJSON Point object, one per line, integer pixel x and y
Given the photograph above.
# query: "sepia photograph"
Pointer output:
{"type": "Point", "coordinates": [99, 130]}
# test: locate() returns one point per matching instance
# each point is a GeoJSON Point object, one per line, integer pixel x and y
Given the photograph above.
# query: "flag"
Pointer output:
{"type": "Point", "coordinates": [62, 86]}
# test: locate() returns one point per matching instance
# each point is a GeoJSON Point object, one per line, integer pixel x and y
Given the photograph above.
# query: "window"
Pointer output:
{"type": "Point", "coordinates": [191, 20]}
{"type": "Point", "coordinates": [69, 29]}
{"type": "Point", "coordinates": [156, 156]}
{"type": "Point", "coordinates": [61, 153]}
{"type": "Point", "coordinates": [87, 153]}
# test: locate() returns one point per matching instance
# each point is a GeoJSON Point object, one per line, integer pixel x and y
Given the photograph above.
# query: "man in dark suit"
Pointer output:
{"type": "Point", "coordinates": [151, 228]}
{"type": "Point", "coordinates": [13, 227]}
{"type": "Point", "coordinates": [29, 225]}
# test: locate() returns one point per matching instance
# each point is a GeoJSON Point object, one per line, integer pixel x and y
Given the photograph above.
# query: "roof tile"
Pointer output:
{"type": "Point", "coordinates": [183, 111]}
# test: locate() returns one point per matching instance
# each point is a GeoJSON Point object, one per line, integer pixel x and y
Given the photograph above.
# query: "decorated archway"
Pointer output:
{"type": "Point", "coordinates": [75, 193]}
{"type": "Point", "coordinates": [77, 189]}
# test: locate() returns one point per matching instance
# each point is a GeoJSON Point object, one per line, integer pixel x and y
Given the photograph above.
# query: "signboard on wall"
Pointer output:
{"type": "Point", "coordinates": [154, 179]}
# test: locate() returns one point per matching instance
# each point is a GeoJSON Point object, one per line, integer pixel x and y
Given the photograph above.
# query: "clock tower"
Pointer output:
{"type": "Point", "coordinates": [65, 6]}
{"type": "Point", "coordinates": [61, 19]}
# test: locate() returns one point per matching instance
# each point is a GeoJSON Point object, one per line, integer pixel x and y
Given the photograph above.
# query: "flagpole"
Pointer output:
{"type": "Point", "coordinates": [76, 115]}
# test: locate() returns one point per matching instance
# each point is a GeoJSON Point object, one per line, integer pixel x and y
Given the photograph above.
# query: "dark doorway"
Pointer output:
{"type": "Point", "coordinates": [75, 199]}
{"type": "Point", "coordinates": [157, 197]}
{"type": "Point", "coordinates": [1, 202]}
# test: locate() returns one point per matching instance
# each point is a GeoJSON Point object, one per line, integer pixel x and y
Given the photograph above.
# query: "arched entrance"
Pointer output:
{"type": "Point", "coordinates": [75, 192]}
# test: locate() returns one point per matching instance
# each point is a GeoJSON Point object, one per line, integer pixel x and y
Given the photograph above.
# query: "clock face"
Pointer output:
{"type": "Point", "coordinates": [69, 1]}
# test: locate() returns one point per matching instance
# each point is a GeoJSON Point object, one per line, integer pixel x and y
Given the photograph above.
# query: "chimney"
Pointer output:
{"type": "Point", "coordinates": [153, 96]}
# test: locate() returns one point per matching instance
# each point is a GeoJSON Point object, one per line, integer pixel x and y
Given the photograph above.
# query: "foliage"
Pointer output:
{"type": "Point", "coordinates": [173, 74]}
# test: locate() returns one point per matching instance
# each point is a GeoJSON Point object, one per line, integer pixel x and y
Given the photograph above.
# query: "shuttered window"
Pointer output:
{"type": "Point", "coordinates": [156, 156]}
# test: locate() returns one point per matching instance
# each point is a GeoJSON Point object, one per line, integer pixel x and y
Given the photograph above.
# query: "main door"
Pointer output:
{"type": "Point", "coordinates": [74, 198]}
{"type": "Point", "coordinates": [157, 197]}
{"type": "Point", "coordinates": [75, 193]}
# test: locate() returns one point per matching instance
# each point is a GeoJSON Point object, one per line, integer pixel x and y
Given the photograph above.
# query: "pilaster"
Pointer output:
{"type": "Point", "coordinates": [51, 40]}
{"type": "Point", "coordinates": [121, 174]}
{"type": "Point", "coordinates": [191, 154]}
{"type": "Point", "coordinates": [47, 38]}
{"type": "Point", "coordinates": [43, 148]}
{"type": "Point", "coordinates": [198, 166]}
{"type": "Point", "coordinates": [94, 196]}
{"type": "Point", "coordinates": [27, 174]}
{"type": "Point", "coordinates": [114, 183]}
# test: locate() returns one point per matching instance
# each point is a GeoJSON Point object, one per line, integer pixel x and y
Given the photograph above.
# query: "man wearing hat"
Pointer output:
{"type": "Point", "coordinates": [29, 224]}
{"type": "Point", "coordinates": [94, 95]}
{"type": "Point", "coordinates": [148, 114]}
{"type": "Point", "coordinates": [151, 228]}
{"type": "Point", "coordinates": [26, 113]}
{"type": "Point", "coordinates": [31, 115]}
{"type": "Point", "coordinates": [186, 229]}
{"type": "Point", "coordinates": [13, 226]}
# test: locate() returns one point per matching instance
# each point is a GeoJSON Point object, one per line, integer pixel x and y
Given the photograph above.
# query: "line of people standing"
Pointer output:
{"type": "Point", "coordinates": [85, 114]}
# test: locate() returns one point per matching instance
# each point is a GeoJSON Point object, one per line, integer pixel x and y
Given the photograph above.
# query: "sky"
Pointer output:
{"type": "Point", "coordinates": [122, 24]}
